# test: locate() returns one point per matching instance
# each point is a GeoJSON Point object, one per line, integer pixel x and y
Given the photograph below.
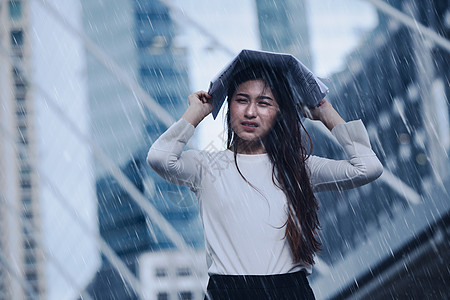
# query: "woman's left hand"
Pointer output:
{"type": "Point", "coordinates": [326, 113]}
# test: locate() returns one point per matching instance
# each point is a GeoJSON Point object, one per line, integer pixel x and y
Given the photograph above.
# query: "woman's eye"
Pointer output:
{"type": "Point", "coordinates": [264, 103]}
{"type": "Point", "coordinates": [241, 100]}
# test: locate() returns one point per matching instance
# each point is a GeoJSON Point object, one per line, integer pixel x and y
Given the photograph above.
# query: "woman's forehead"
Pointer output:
{"type": "Point", "coordinates": [254, 86]}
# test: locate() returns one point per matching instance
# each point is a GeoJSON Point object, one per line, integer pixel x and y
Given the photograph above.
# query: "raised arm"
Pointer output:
{"type": "Point", "coordinates": [362, 165]}
{"type": "Point", "coordinates": [326, 113]}
{"type": "Point", "coordinates": [166, 155]}
{"type": "Point", "coordinates": [200, 105]}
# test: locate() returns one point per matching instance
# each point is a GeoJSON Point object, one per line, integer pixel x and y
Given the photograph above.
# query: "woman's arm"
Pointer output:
{"type": "Point", "coordinates": [362, 165]}
{"type": "Point", "coordinates": [326, 113]}
{"type": "Point", "coordinates": [166, 155]}
{"type": "Point", "coordinates": [200, 105]}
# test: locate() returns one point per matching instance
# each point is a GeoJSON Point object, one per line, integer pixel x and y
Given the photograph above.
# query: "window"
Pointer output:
{"type": "Point", "coordinates": [163, 296]}
{"type": "Point", "coordinates": [25, 183]}
{"type": "Point", "coordinates": [30, 259]}
{"type": "Point", "coordinates": [183, 271]}
{"type": "Point", "coordinates": [29, 244]}
{"type": "Point", "coordinates": [27, 232]}
{"type": "Point", "coordinates": [185, 295]}
{"type": "Point", "coordinates": [19, 85]}
{"type": "Point", "coordinates": [17, 76]}
{"type": "Point", "coordinates": [31, 275]}
{"type": "Point", "coordinates": [21, 113]}
{"type": "Point", "coordinates": [17, 38]}
{"type": "Point", "coordinates": [27, 214]}
{"type": "Point", "coordinates": [15, 10]}
{"type": "Point", "coordinates": [25, 171]}
{"type": "Point", "coordinates": [26, 204]}
{"type": "Point", "coordinates": [161, 272]}
{"type": "Point", "coordinates": [20, 93]}
{"type": "Point", "coordinates": [22, 131]}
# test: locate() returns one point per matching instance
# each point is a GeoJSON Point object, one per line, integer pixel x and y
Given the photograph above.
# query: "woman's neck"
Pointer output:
{"type": "Point", "coordinates": [244, 147]}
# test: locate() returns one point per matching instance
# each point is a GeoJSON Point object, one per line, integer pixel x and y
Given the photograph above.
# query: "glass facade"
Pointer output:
{"type": "Point", "coordinates": [284, 27]}
{"type": "Point", "coordinates": [160, 66]}
{"type": "Point", "coordinates": [366, 231]}
{"type": "Point", "coordinates": [15, 10]}
{"type": "Point", "coordinates": [368, 228]}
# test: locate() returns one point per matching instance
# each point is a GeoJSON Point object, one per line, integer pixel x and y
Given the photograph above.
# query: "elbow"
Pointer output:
{"type": "Point", "coordinates": [379, 170]}
{"type": "Point", "coordinates": [374, 170]}
{"type": "Point", "coordinates": [366, 173]}
{"type": "Point", "coordinates": [150, 158]}
{"type": "Point", "coordinates": [162, 162]}
{"type": "Point", "coordinates": [154, 159]}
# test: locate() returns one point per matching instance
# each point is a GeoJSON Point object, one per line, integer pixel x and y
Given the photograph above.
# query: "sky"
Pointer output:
{"type": "Point", "coordinates": [336, 27]}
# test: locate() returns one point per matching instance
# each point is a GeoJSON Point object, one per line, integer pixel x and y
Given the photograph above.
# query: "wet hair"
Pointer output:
{"type": "Point", "coordinates": [286, 147]}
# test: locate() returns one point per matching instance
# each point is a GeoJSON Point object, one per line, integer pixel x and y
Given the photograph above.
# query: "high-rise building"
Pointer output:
{"type": "Point", "coordinates": [21, 228]}
{"type": "Point", "coordinates": [387, 239]}
{"type": "Point", "coordinates": [116, 115]}
{"type": "Point", "coordinates": [173, 275]}
{"type": "Point", "coordinates": [141, 37]}
{"type": "Point", "coordinates": [284, 27]}
{"type": "Point", "coordinates": [44, 168]}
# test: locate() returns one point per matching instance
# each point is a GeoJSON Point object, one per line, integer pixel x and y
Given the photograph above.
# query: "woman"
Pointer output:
{"type": "Point", "coordinates": [256, 197]}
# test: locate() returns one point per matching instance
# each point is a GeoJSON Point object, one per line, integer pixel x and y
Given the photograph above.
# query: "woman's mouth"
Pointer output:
{"type": "Point", "coordinates": [249, 125]}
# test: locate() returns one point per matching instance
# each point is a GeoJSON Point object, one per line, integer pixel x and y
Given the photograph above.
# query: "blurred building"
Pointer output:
{"type": "Point", "coordinates": [141, 37]}
{"type": "Point", "coordinates": [116, 114]}
{"type": "Point", "coordinates": [174, 275]}
{"type": "Point", "coordinates": [284, 27]}
{"type": "Point", "coordinates": [389, 239]}
{"type": "Point", "coordinates": [38, 168]}
{"type": "Point", "coordinates": [20, 229]}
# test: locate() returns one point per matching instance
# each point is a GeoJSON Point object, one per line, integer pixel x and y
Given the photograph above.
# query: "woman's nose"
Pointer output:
{"type": "Point", "coordinates": [250, 111]}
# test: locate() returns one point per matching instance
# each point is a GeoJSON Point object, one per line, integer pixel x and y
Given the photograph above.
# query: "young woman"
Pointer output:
{"type": "Point", "coordinates": [256, 198]}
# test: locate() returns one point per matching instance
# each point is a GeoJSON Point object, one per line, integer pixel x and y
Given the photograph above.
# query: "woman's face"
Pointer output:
{"type": "Point", "coordinates": [253, 110]}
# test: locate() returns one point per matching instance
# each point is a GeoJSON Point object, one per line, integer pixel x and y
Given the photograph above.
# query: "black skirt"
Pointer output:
{"type": "Point", "coordinates": [292, 286]}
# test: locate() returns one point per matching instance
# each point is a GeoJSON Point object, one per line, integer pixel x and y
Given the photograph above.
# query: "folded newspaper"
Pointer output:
{"type": "Point", "coordinates": [307, 89]}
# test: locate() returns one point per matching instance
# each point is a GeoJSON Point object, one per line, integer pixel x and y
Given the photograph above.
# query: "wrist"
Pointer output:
{"type": "Point", "coordinates": [331, 119]}
{"type": "Point", "coordinates": [193, 115]}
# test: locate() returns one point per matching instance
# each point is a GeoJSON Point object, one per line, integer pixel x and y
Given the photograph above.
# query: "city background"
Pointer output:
{"type": "Point", "coordinates": [86, 87]}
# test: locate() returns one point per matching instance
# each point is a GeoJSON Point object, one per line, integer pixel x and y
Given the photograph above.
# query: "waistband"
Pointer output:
{"type": "Point", "coordinates": [258, 281]}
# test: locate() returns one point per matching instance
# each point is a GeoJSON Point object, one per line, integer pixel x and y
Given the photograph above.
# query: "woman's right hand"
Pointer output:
{"type": "Point", "coordinates": [200, 105]}
{"type": "Point", "coordinates": [325, 112]}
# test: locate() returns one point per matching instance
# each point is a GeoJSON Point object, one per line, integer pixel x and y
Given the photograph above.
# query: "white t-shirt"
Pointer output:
{"type": "Point", "coordinates": [243, 226]}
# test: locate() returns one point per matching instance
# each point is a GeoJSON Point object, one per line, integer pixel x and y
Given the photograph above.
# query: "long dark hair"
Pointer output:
{"type": "Point", "coordinates": [285, 146]}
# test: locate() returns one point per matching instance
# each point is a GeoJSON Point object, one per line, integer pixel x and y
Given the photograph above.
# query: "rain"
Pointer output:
{"type": "Point", "coordinates": [86, 87]}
